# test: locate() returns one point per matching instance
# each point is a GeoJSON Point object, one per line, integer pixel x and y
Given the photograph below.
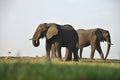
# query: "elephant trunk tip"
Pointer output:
{"type": "Point", "coordinates": [35, 43]}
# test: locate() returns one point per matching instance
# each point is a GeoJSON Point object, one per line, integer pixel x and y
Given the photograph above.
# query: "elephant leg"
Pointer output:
{"type": "Point", "coordinates": [59, 54]}
{"type": "Point", "coordinates": [58, 50]}
{"type": "Point", "coordinates": [48, 47]}
{"type": "Point", "coordinates": [98, 47]}
{"type": "Point", "coordinates": [67, 52]}
{"type": "Point", "coordinates": [81, 49]}
{"type": "Point", "coordinates": [69, 57]}
{"type": "Point", "coordinates": [53, 51]}
{"type": "Point", "coordinates": [75, 52]}
{"type": "Point", "coordinates": [92, 51]}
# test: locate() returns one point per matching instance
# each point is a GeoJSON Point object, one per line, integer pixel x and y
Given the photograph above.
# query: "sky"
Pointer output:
{"type": "Point", "coordinates": [20, 18]}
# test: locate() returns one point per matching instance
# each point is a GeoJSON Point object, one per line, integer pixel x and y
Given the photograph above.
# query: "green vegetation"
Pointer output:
{"type": "Point", "coordinates": [39, 69]}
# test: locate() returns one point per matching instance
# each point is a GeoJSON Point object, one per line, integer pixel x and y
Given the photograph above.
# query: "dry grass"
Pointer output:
{"type": "Point", "coordinates": [37, 68]}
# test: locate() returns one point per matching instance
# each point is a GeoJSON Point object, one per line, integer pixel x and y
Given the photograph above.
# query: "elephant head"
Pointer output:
{"type": "Point", "coordinates": [103, 35]}
{"type": "Point", "coordinates": [44, 30]}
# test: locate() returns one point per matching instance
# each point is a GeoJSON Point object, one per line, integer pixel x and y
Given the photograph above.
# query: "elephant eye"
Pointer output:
{"type": "Point", "coordinates": [44, 28]}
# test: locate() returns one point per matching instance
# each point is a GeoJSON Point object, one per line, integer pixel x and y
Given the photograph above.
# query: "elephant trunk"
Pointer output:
{"type": "Point", "coordinates": [108, 47]}
{"type": "Point", "coordinates": [35, 42]}
{"type": "Point", "coordinates": [35, 39]}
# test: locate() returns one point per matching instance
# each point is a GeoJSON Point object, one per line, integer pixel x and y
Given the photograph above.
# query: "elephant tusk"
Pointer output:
{"type": "Point", "coordinates": [112, 44]}
{"type": "Point", "coordinates": [109, 43]}
{"type": "Point", "coordinates": [32, 39]}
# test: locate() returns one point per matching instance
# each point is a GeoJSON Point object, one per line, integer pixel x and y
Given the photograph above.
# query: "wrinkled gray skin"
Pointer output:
{"type": "Point", "coordinates": [93, 37]}
{"type": "Point", "coordinates": [60, 36]}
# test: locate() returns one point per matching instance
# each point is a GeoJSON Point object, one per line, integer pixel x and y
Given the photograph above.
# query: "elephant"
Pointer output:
{"type": "Point", "coordinates": [58, 36]}
{"type": "Point", "coordinates": [93, 37]}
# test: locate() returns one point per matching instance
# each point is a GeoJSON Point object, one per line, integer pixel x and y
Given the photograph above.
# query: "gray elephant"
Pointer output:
{"type": "Point", "coordinates": [93, 37]}
{"type": "Point", "coordinates": [60, 36]}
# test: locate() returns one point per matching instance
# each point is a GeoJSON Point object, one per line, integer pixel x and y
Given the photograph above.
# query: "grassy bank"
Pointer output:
{"type": "Point", "coordinates": [38, 69]}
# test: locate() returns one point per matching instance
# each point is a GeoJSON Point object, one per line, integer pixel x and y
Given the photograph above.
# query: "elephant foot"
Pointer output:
{"type": "Point", "coordinates": [92, 59]}
{"type": "Point", "coordinates": [75, 59]}
{"type": "Point", "coordinates": [68, 59]}
{"type": "Point", "coordinates": [103, 59]}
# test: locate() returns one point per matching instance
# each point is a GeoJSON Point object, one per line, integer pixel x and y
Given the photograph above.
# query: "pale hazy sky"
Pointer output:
{"type": "Point", "coordinates": [19, 20]}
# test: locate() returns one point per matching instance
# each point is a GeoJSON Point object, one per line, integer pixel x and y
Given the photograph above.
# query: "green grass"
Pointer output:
{"type": "Point", "coordinates": [38, 69]}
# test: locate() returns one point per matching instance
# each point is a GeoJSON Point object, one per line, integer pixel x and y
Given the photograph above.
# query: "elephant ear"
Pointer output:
{"type": "Point", "coordinates": [52, 31]}
{"type": "Point", "coordinates": [99, 34]}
